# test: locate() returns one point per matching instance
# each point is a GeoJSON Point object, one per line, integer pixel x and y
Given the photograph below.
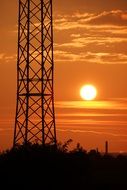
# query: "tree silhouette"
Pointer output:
{"type": "Point", "coordinates": [33, 165]}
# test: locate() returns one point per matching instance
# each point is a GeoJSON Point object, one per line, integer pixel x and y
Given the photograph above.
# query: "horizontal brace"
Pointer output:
{"type": "Point", "coordinates": [34, 94]}
{"type": "Point", "coordinates": [30, 80]}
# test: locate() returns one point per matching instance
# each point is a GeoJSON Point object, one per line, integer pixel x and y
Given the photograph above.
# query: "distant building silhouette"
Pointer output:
{"type": "Point", "coordinates": [106, 147]}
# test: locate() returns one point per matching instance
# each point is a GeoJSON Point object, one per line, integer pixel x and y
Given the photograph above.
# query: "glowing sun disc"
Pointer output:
{"type": "Point", "coordinates": [88, 92]}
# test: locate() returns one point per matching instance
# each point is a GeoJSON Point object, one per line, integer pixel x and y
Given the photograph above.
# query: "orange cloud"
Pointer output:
{"type": "Point", "coordinates": [114, 17]}
{"type": "Point", "coordinates": [89, 57]}
{"type": "Point", "coordinates": [92, 37]}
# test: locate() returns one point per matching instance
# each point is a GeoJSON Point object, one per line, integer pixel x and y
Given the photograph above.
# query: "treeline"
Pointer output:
{"type": "Point", "coordinates": [55, 167]}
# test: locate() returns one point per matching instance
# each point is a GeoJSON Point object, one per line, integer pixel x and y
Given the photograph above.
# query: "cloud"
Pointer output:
{"type": "Point", "coordinates": [90, 57]}
{"type": "Point", "coordinates": [1, 56]}
{"type": "Point", "coordinates": [64, 56]}
{"type": "Point", "coordinates": [75, 35]}
{"type": "Point", "coordinates": [83, 41]}
{"type": "Point", "coordinates": [4, 58]}
{"type": "Point", "coordinates": [81, 20]}
{"type": "Point", "coordinates": [92, 132]}
{"type": "Point", "coordinates": [115, 17]}
{"type": "Point", "coordinates": [92, 37]}
{"type": "Point", "coordinates": [100, 117]}
{"type": "Point", "coordinates": [118, 104]}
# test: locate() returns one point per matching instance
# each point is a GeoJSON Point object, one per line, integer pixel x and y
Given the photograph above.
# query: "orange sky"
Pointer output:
{"type": "Point", "coordinates": [90, 40]}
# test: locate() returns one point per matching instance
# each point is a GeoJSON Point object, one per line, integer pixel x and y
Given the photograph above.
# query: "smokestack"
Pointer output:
{"type": "Point", "coordinates": [106, 147]}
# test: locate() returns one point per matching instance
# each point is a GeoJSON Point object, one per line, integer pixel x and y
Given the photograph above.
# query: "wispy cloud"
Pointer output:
{"type": "Point", "coordinates": [103, 118]}
{"type": "Point", "coordinates": [118, 104]}
{"type": "Point", "coordinates": [91, 132]}
{"type": "Point", "coordinates": [92, 37]}
{"type": "Point", "coordinates": [89, 57]}
{"type": "Point", "coordinates": [114, 17]}
{"type": "Point", "coordinates": [80, 20]}
{"type": "Point", "coordinates": [4, 58]}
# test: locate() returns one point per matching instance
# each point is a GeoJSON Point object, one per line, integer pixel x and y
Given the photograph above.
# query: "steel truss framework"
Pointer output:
{"type": "Point", "coordinates": [35, 118]}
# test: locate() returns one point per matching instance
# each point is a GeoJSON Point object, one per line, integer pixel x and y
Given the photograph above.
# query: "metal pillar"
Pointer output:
{"type": "Point", "coordinates": [35, 118]}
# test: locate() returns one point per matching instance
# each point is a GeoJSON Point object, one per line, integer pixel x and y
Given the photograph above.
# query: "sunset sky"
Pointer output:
{"type": "Point", "coordinates": [90, 46]}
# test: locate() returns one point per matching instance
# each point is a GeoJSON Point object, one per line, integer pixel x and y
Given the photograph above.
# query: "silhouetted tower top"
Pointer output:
{"type": "Point", "coordinates": [35, 117]}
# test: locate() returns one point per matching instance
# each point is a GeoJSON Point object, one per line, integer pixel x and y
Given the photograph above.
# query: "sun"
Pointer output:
{"type": "Point", "coordinates": [88, 92]}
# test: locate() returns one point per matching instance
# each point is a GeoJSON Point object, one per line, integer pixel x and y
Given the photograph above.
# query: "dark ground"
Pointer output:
{"type": "Point", "coordinates": [36, 167]}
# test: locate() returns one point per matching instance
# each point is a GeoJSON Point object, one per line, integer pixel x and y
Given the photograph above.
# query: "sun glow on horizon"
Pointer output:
{"type": "Point", "coordinates": [88, 92]}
